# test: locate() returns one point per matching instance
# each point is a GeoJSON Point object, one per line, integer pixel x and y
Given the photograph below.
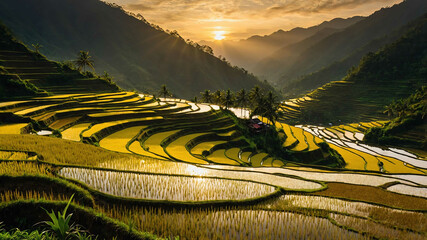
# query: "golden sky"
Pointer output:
{"type": "Point", "coordinates": [238, 19]}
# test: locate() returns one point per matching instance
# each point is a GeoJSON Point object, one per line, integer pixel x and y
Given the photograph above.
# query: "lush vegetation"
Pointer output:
{"type": "Point", "coordinates": [394, 72]}
{"type": "Point", "coordinates": [408, 128]}
{"type": "Point", "coordinates": [350, 45]}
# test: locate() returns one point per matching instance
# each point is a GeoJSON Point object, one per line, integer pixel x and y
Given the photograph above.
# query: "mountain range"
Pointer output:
{"type": "Point", "coordinates": [326, 52]}
{"type": "Point", "coordinates": [137, 54]}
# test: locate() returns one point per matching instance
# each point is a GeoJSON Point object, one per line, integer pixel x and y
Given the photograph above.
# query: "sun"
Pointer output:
{"type": "Point", "coordinates": [219, 35]}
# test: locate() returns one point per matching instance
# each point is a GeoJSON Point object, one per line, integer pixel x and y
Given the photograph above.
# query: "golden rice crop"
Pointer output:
{"type": "Point", "coordinates": [299, 134]}
{"type": "Point", "coordinates": [73, 133]}
{"type": "Point", "coordinates": [12, 195]}
{"type": "Point", "coordinates": [163, 187]}
{"type": "Point", "coordinates": [257, 159]}
{"type": "Point", "coordinates": [63, 122]}
{"type": "Point", "coordinates": [352, 160]}
{"type": "Point", "coordinates": [19, 156]}
{"type": "Point", "coordinates": [219, 157]}
{"type": "Point", "coordinates": [135, 147]}
{"type": "Point", "coordinates": [97, 127]}
{"type": "Point", "coordinates": [33, 109]}
{"type": "Point", "coordinates": [199, 148]}
{"type": "Point", "coordinates": [310, 138]}
{"type": "Point", "coordinates": [230, 224]}
{"type": "Point", "coordinates": [118, 140]}
{"type": "Point", "coordinates": [153, 142]}
{"type": "Point", "coordinates": [233, 153]}
{"type": "Point", "coordinates": [23, 168]}
{"type": "Point", "coordinates": [55, 150]}
{"type": "Point", "coordinates": [5, 154]}
{"type": "Point", "coordinates": [290, 139]}
{"type": "Point", "coordinates": [178, 150]}
{"type": "Point", "coordinates": [374, 229]}
{"type": "Point", "coordinates": [14, 128]}
{"type": "Point", "coordinates": [393, 217]}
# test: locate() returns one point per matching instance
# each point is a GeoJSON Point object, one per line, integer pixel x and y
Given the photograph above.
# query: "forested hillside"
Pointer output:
{"type": "Point", "coordinates": [392, 73]}
{"type": "Point", "coordinates": [334, 54]}
{"type": "Point", "coordinates": [409, 126]}
{"type": "Point", "coordinates": [27, 73]}
{"type": "Point", "coordinates": [138, 55]}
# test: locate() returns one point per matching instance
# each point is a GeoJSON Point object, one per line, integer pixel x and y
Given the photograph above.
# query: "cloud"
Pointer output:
{"type": "Point", "coordinates": [316, 6]}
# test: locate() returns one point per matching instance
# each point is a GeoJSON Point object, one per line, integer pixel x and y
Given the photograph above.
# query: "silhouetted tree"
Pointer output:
{"type": "Point", "coordinates": [268, 107]}
{"type": "Point", "coordinates": [84, 60]}
{"type": "Point", "coordinates": [217, 97]}
{"type": "Point", "coordinates": [228, 99]}
{"type": "Point", "coordinates": [241, 99]}
{"type": "Point", "coordinates": [207, 96]}
{"type": "Point", "coordinates": [164, 91]}
{"type": "Point", "coordinates": [37, 47]}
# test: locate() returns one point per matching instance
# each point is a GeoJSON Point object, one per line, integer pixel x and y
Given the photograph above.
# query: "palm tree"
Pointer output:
{"type": "Point", "coordinates": [268, 107]}
{"type": "Point", "coordinates": [217, 97]}
{"type": "Point", "coordinates": [272, 108]}
{"type": "Point", "coordinates": [164, 91]}
{"type": "Point", "coordinates": [255, 95]}
{"type": "Point", "coordinates": [37, 47]}
{"type": "Point", "coordinates": [228, 99]}
{"type": "Point", "coordinates": [84, 60]}
{"type": "Point", "coordinates": [207, 96]}
{"type": "Point", "coordinates": [241, 99]}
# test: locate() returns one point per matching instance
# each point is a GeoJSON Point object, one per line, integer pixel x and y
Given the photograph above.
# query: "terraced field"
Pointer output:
{"type": "Point", "coordinates": [160, 164]}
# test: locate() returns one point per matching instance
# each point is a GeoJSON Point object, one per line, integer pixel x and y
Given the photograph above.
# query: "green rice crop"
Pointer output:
{"type": "Point", "coordinates": [257, 159]}
{"type": "Point", "coordinates": [163, 187]}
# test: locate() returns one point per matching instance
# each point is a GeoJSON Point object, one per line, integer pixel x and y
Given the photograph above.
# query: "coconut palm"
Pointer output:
{"type": "Point", "coordinates": [268, 107]}
{"type": "Point", "coordinates": [164, 91]}
{"type": "Point", "coordinates": [241, 99]}
{"type": "Point", "coordinates": [228, 99]}
{"type": "Point", "coordinates": [217, 97]}
{"type": "Point", "coordinates": [255, 95]}
{"type": "Point", "coordinates": [207, 96]}
{"type": "Point", "coordinates": [83, 60]}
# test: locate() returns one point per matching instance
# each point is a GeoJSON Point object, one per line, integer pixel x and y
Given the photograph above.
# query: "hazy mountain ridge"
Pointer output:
{"type": "Point", "coordinates": [248, 52]}
{"type": "Point", "coordinates": [394, 72]}
{"type": "Point", "coordinates": [136, 54]}
{"type": "Point", "coordinates": [337, 70]}
{"type": "Point", "coordinates": [343, 44]}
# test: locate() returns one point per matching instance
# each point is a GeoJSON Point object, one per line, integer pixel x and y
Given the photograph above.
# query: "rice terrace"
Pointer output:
{"type": "Point", "coordinates": [113, 128]}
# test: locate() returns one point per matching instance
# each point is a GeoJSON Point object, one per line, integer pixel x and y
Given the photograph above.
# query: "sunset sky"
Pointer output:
{"type": "Point", "coordinates": [238, 19]}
